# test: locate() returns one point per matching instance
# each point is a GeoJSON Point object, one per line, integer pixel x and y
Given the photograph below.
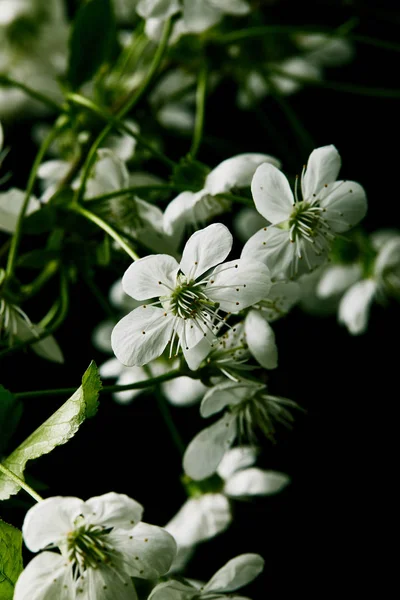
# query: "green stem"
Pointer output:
{"type": "Point", "coordinates": [98, 295]}
{"type": "Point", "coordinates": [21, 483]}
{"type": "Point", "coordinates": [13, 252]}
{"type": "Point", "coordinates": [60, 315]}
{"type": "Point", "coordinates": [107, 389]}
{"type": "Point", "coordinates": [118, 124]}
{"type": "Point", "coordinates": [339, 87]}
{"type": "Point", "coordinates": [10, 82]}
{"type": "Point", "coordinates": [106, 227]}
{"type": "Point", "coordinates": [201, 93]}
{"type": "Point", "coordinates": [129, 103]}
{"type": "Point", "coordinates": [36, 285]}
{"type": "Point", "coordinates": [166, 415]}
{"type": "Point", "coordinates": [254, 32]}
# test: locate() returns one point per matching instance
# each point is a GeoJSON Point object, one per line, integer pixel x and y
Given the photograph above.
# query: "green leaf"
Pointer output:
{"type": "Point", "coordinates": [10, 414]}
{"type": "Point", "coordinates": [92, 41]}
{"type": "Point", "coordinates": [57, 430]}
{"type": "Point", "coordinates": [10, 559]}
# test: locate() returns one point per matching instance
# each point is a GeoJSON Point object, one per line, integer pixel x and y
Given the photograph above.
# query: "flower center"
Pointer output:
{"type": "Point", "coordinates": [305, 221]}
{"type": "Point", "coordinates": [188, 301]}
{"type": "Point", "coordinates": [87, 546]}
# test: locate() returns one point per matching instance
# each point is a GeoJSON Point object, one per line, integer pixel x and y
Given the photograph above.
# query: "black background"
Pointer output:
{"type": "Point", "coordinates": [327, 530]}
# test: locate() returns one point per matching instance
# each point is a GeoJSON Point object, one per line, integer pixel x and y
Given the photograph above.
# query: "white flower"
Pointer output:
{"type": "Point", "coordinates": [174, 101]}
{"type": "Point", "coordinates": [11, 203]}
{"type": "Point", "coordinates": [250, 407]}
{"type": "Point", "coordinates": [302, 229]}
{"type": "Point", "coordinates": [191, 209]}
{"type": "Point", "coordinates": [103, 543]}
{"type": "Point", "coordinates": [207, 512]}
{"type": "Point", "coordinates": [190, 298]}
{"type": "Point", "coordinates": [325, 50]}
{"type": "Point", "coordinates": [237, 573]}
{"type": "Point", "coordinates": [197, 15]}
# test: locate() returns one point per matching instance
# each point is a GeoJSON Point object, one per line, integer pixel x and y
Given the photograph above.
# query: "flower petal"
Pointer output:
{"type": "Point", "coordinates": [10, 206]}
{"type": "Point", "coordinates": [177, 215]}
{"type": "Point", "coordinates": [120, 299]}
{"type": "Point", "coordinates": [206, 450]}
{"type": "Point", "coordinates": [260, 338]}
{"type": "Point", "coordinates": [50, 520]}
{"type": "Point", "coordinates": [183, 391]}
{"type": "Point", "coordinates": [200, 519]}
{"type": "Point", "coordinates": [108, 174]}
{"type": "Point", "coordinates": [336, 279]}
{"type": "Point", "coordinates": [199, 15]}
{"type": "Point", "coordinates": [105, 583]}
{"type": "Point", "coordinates": [231, 7]}
{"type": "Point", "coordinates": [282, 296]}
{"type": "Point", "coordinates": [345, 203]}
{"type": "Point", "coordinates": [129, 375]}
{"type": "Point", "coordinates": [101, 338]}
{"type": "Point", "coordinates": [157, 9]}
{"type": "Point", "coordinates": [255, 482]}
{"type": "Point", "coordinates": [237, 171]}
{"type": "Point", "coordinates": [227, 394]}
{"type": "Point", "coordinates": [48, 348]}
{"type": "Point", "coordinates": [272, 194]}
{"type": "Point", "coordinates": [236, 459]}
{"type": "Point", "coordinates": [151, 277]}
{"type": "Point", "coordinates": [205, 249]}
{"type": "Point", "coordinates": [47, 576]}
{"type": "Point", "coordinates": [355, 305]}
{"type": "Point", "coordinates": [237, 573]}
{"type": "Point", "coordinates": [112, 368]}
{"type": "Point", "coordinates": [195, 356]}
{"type": "Point", "coordinates": [148, 550]}
{"type": "Point", "coordinates": [141, 336]}
{"type": "Point", "coordinates": [114, 510]}
{"type": "Point", "coordinates": [173, 590]}
{"type": "Point", "coordinates": [237, 284]}
{"type": "Point", "coordinates": [322, 168]}
{"type": "Point", "coordinates": [272, 246]}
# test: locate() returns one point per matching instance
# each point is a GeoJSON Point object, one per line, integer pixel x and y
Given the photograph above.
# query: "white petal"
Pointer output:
{"type": "Point", "coordinates": [129, 375]}
{"type": "Point", "coordinates": [133, 347]}
{"type": "Point", "coordinates": [388, 257]}
{"type": "Point", "coordinates": [255, 482]}
{"type": "Point", "coordinates": [247, 222]}
{"type": "Point", "coordinates": [322, 168]}
{"type": "Point", "coordinates": [10, 206]}
{"type": "Point", "coordinates": [177, 215]}
{"type": "Point", "coordinates": [200, 519]}
{"type": "Point", "coordinates": [108, 174]}
{"type": "Point", "coordinates": [112, 368]}
{"type": "Point", "coordinates": [105, 583]}
{"type": "Point", "coordinates": [237, 573]}
{"type": "Point", "coordinates": [238, 284]}
{"type": "Point", "coordinates": [120, 299]}
{"type": "Point", "coordinates": [48, 348]}
{"type": "Point", "coordinates": [272, 246]}
{"type": "Point", "coordinates": [198, 15]}
{"type": "Point", "coordinates": [173, 590]}
{"type": "Point", "coordinates": [345, 203]}
{"type": "Point", "coordinates": [148, 550]}
{"type": "Point", "coordinates": [53, 170]}
{"type": "Point", "coordinates": [231, 7]}
{"type": "Point", "coordinates": [195, 356]}
{"type": "Point", "coordinates": [336, 279]}
{"type": "Point", "coordinates": [151, 277]}
{"type": "Point", "coordinates": [282, 296]}
{"type": "Point", "coordinates": [260, 338]}
{"type": "Point", "coordinates": [206, 450]}
{"type": "Point", "coordinates": [237, 171]}
{"type": "Point", "coordinates": [355, 304]}
{"type": "Point", "coordinates": [101, 338]}
{"type": "Point", "coordinates": [272, 194]}
{"type": "Point", "coordinates": [205, 249]}
{"type": "Point", "coordinates": [157, 9]}
{"type": "Point", "coordinates": [236, 459]}
{"type": "Point", "coordinates": [114, 510]}
{"type": "Point", "coordinates": [226, 394]}
{"type": "Point", "coordinates": [184, 391]}
{"type": "Point", "coordinates": [50, 520]}
{"type": "Point", "coordinates": [47, 576]}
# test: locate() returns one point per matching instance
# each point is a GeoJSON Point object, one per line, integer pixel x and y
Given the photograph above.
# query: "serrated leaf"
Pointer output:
{"type": "Point", "coordinates": [10, 559]}
{"type": "Point", "coordinates": [57, 430]}
{"type": "Point", "coordinates": [10, 414]}
{"type": "Point", "coordinates": [92, 41]}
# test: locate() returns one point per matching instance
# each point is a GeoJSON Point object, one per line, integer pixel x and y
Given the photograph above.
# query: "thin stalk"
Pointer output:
{"type": "Point", "coordinates": [168, 420]}
{"type": "Point", "coordinates": [128, 104]}
{"type": "Point", "coordinates": [36, 285]}
{"type": "Point", "coordinates": [9, 81]}
{"type": "Point", "coordinates": [201, 93]}
{"type": "Point", "coordinates": [13, 252]}
{"type": "Point", "coordinates": [105, 227]}
{"type": "Point", "coordinates": [107, 389]}
{"type": "Point", "coordinates": [118, 124]}
{"type": "Point", "coordinates": [21, 483]}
